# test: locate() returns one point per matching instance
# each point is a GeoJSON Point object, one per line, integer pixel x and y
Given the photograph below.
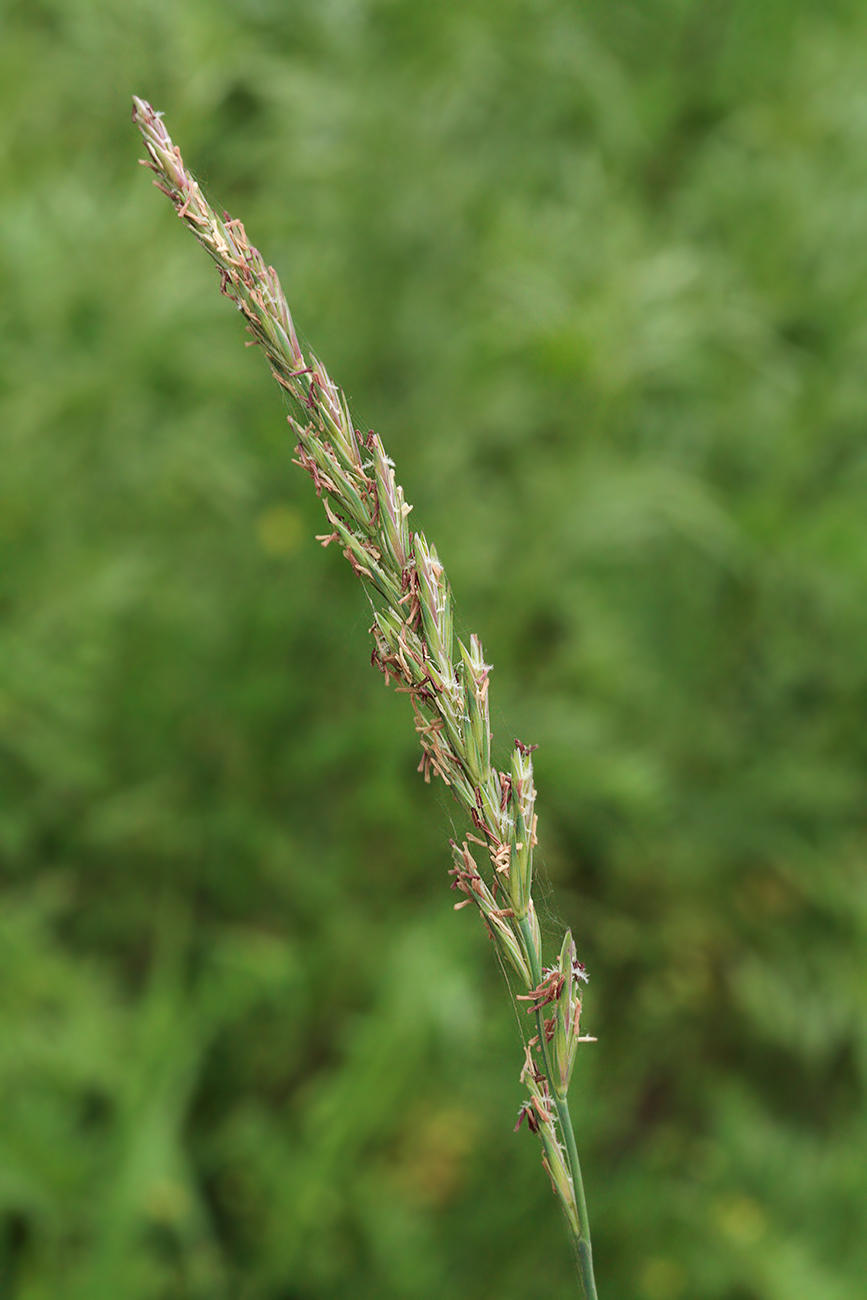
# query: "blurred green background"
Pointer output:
{"type": "Point", "coordinates": [597, 273]}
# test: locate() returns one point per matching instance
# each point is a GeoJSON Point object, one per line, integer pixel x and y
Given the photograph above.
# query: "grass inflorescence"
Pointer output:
{"type": "Point", "coordinates": [415, 647]}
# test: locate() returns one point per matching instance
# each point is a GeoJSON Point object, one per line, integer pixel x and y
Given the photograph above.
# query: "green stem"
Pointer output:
{"type": "Point", "coordinates": [582, 1243]}
{"type": "Point", "coordinates": [583, 1247]}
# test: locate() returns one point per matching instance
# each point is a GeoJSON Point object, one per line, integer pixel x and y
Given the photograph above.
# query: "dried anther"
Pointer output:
{"type": "Point", "coordinates": [527, 1112]}
{"type": "Point", "coordinates": [548, 990]}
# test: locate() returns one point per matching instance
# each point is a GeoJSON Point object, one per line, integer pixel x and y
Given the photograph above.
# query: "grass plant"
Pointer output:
{"type": "Point", "coordinates": [446, 679]}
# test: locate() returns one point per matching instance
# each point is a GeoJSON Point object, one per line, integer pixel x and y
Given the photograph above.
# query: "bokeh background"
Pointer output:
{"type": "Point", "coordinates": [597, 273]}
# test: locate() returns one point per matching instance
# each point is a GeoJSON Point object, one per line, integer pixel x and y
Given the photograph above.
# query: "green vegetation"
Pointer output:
{"type": "Point", "coordinates": [596, 274]}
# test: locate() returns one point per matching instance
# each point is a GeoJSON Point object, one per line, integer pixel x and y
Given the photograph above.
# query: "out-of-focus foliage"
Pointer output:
{"type": "Point", "coordinates": [598, 275]}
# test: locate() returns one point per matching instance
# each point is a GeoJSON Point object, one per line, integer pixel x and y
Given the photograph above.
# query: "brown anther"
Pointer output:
{"type": "Point", "coordinates": [547, 990]}
{"type": "Point", "coordinates": [527, 1113]}
{"type": "Point", "coordinates": [544, 1115]}
{"type": "Point", "coordinates": [501, 858]}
